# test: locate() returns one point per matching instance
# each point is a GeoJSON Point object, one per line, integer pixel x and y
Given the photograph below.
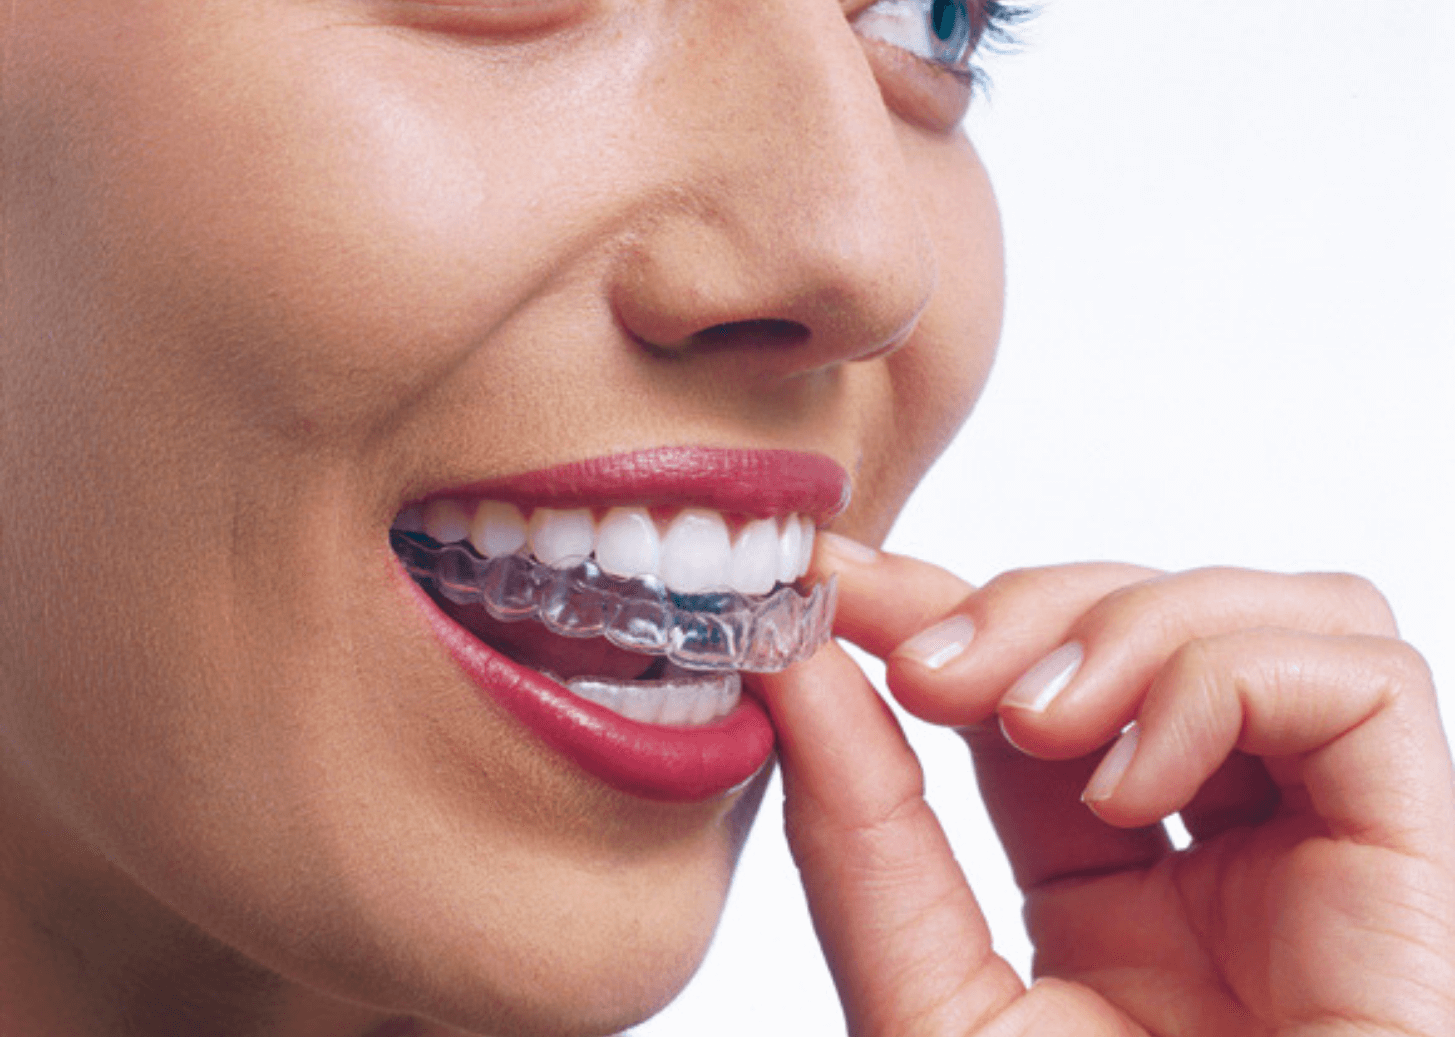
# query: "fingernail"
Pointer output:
{"type": "Point", "coordinates": [934, 647]}
{"type": "Point", "coordinates": [1039, 686]}
{"type": "Point", "coordinates": [1108, 773]}
{"type": "Point", "coordinates": [1005, 733]}
{"type": "Point", "coordinates": [851, 550]}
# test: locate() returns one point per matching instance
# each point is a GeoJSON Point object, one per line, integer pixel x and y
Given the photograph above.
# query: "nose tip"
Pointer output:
{"type": "Point", "coordinates": [786, 222]}
{"type": "Point", "coordinates": [803, 311]}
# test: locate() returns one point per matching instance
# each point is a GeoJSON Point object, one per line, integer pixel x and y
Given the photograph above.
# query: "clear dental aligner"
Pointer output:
{"type": "Point", "coordinates": [718, 631]}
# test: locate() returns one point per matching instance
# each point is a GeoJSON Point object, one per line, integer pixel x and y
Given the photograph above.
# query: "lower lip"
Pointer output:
{"type": "Point", "coordinates": [675, 764]}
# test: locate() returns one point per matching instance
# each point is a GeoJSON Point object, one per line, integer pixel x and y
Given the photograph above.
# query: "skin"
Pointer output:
{"type": "Point", "coordinates": [1281, 716]}
{"type": "Point", "coordinates": [272, 269]}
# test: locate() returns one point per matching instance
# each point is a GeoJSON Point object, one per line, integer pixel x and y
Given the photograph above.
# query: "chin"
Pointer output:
{"type": "Point", "coordinates": [589, 943]}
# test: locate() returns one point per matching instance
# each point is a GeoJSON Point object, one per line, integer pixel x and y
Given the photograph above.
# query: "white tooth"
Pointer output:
{"type": "Point", "coordinates": [627, 543]}
{"type": "Point", "coordinates": [603, 693]}
{"type": "Point", "coordinates": [445, 520]}
{"type": "Point", "coordinates": [677, 705]}
{"type": "Point", "coordinates": [684, 698]}
{"type": "Point", "coordinates": [728, 694]}
{"type": "Point", "coordinates": [755, 558]}
{"type": "Point", "coordinates": [696, 552]}
{"type": "Point", "coordinates": [704, 706]}
{"type": "Point", "coordinates": [806, 558]}
{"type": "Point", "coordinates": [562, 539]}
{"type": "Point", "coordinates": [498, 529]}
{"type": "Point", "coordinates": [790, 542]}
{"type": "Point", "coordinates": [643, 703]}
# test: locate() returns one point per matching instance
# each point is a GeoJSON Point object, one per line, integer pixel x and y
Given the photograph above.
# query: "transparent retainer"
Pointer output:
{"type": "Point", "coordinates": [717, 631]}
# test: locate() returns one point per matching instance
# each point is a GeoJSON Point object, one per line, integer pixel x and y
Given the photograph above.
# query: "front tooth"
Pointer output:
{"type": "Point", "coordinates": [643, 703]}
{"type": "Point", "coordinates": [728, 693]}
{"type": "Point", "coordinates": [562, 539]}
{"type": "Point", "coordinates": [445, 520]}
{"type": "Point", "coordinates": [704, 706]}
{"type": "Point", "coordinates": [627, 543]}
{"type": "Point", "coordinates": [807, 556]}
{"type": "Point", "coordinates": [603, 693]}
{"type": "Point", "coordinates": [696, 552]}
{"type": "Point", "coordinates": [498, 529]}
{"type": "Point", "coordinates": [790, 545]}
{"type": "Point", "coordinates": [755, 558]}
{"type": "Point", "coordinates": [677, 705]}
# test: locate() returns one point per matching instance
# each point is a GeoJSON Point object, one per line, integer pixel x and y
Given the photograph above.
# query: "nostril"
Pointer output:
{"type": "Point", "coordinates": [736, 334]}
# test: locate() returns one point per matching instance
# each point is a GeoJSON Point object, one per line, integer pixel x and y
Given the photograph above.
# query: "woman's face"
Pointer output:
{"type": "Point", "coordinates": [274, 270]}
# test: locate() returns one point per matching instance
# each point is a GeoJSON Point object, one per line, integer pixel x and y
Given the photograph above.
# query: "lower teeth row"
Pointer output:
{"type": "Point", "coordinates": [721, 631]}
{"type": "Point", "coordinates": [675, 698]}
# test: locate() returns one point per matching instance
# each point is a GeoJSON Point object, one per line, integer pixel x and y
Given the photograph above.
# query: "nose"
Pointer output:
{"type": "Point", "coordinates": [783, 220]}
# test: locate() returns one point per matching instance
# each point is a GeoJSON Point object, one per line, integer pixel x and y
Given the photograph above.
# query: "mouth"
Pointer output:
{"type": "Point", "coordinates": [620, 601]}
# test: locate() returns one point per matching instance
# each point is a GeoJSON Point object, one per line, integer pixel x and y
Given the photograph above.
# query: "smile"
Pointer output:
{"type": "Point", "coordinates": [638, 587]}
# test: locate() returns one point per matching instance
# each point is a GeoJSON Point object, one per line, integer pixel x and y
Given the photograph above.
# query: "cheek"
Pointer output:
{"type": "Point", "coordinates": [929, 387]}
{"type": "Point", "coordinates": [303, 245]}
{"type": "Point", "coordinates": [228, 284]}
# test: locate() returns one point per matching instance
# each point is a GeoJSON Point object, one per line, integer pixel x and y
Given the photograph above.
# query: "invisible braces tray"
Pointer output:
{"type": "Point", "coordinates": [717, 631]}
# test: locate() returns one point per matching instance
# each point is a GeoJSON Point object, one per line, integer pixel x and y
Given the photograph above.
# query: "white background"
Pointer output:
{"type": "Point", "coordinates": [1230, 339]}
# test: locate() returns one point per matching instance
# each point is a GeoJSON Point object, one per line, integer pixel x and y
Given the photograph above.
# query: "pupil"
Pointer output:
{"type": "Point", "coordinates": [945, 14]}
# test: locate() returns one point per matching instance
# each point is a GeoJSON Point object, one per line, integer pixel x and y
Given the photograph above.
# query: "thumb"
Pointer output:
{"type": "Point", "coordinates": [905, 940]}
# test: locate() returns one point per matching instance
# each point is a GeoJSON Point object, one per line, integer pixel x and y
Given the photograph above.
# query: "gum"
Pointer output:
{"type": "Point", "coordinates": [716, 632]}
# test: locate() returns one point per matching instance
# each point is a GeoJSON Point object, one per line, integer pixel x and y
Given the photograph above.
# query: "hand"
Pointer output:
{"type": "Point", "coordinates": [1280, 715]}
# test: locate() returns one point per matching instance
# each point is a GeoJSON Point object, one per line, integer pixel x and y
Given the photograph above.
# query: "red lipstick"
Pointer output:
{"type": "Point", "coordinates": [653, 761]}
{"type": "Point", "coordinates": [758, 483]}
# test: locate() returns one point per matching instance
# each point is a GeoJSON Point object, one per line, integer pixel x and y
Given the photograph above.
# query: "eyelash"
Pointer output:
{"type": "Point", "coordinates": [920, 28]}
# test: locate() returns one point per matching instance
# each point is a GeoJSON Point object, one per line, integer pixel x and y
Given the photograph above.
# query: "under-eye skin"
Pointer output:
{"type": "Point", "coordinates": [923, 50]}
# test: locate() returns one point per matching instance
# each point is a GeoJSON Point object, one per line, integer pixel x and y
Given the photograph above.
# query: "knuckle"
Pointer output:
{"type": "Point", "coordinates": [1408, 669]}
{"type": "Point", "coordinates": [1069, 581]}
{"type": "Point", "coordinates": [1193, 659]}
{"type": "Point", "coordinates": [1360, 601]}
{"type": "Point", "coordinates": [1156, 606]}
{"type": "Point", "coordinates": [1196, 673]}
{"type": "Point", "coordinates": [1010, 582]}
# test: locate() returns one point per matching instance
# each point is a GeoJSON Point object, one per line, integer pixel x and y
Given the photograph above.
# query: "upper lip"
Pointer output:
{"type": "Point", "coordinates": [757, 483]}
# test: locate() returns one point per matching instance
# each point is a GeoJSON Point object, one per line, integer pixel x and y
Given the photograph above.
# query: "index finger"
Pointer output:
{"type": "Point", "coordinates": [908, 610]}
{"type": "Point", "coordinates": [921, 619]}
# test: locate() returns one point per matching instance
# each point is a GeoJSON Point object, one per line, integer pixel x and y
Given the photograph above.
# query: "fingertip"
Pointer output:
{"type": "Point", "coordinates": [1031, 734]}
{"type": "Point", "coordinates": [937, 646]}
{"type": "Point", "coordinates": [1039, 687]}
{"type": "Point", "coordinates": [884, 599]}
{"type": "Point", "coordinates": [826, 704]}
{"type": "Point", "coordinates": [836, 552]}
{"type": "Point", "coordinates": [1113, 767]}
{"type": "Point", "coordinates": [935, 674]}
{"type": "Point", "coordinates": [942, 697]}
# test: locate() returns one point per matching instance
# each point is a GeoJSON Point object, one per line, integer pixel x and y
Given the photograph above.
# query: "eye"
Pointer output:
{"type": "Point", "coordinates": [940, 32]}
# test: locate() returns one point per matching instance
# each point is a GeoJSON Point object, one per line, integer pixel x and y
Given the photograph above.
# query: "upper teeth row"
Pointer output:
{"type": "Point", "coordinates": [693, 554]}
